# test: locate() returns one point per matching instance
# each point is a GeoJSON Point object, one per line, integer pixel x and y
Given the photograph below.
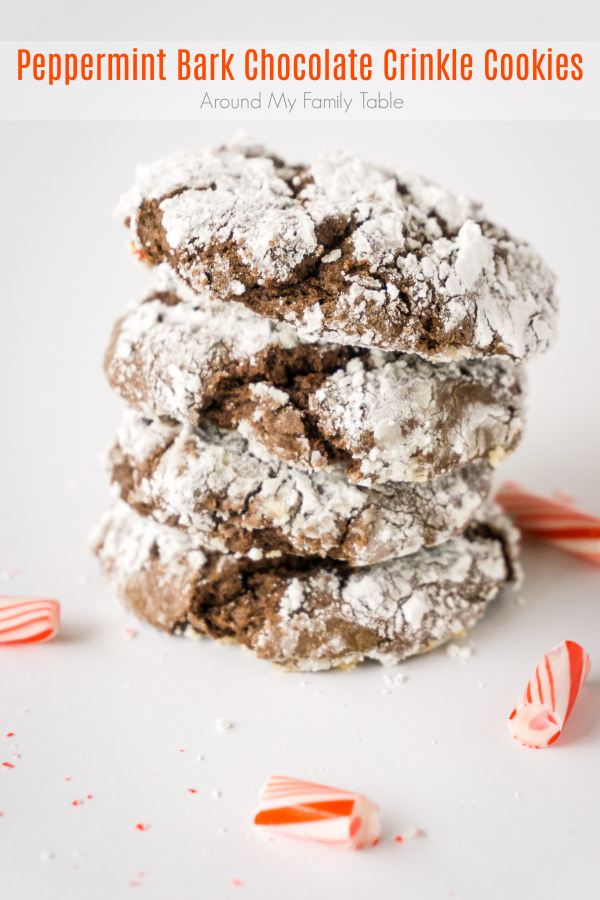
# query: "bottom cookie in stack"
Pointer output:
{"type": "Point", "coordinates": [307, 612]}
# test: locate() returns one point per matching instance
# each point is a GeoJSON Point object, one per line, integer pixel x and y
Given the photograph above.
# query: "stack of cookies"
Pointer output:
{"type": "Point", "coordinates": [319, 383]}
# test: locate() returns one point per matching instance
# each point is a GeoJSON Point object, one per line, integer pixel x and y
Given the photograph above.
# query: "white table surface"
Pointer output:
{"type": "Point", "coordinates": [129, 726]}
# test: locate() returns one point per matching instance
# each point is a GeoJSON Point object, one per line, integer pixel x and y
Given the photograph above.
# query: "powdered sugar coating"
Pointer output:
{"type": "Point", "coordinates": [345, 251]}
{"type": "Point", "coordinates": [215, 485]}
{"type": "Point", "coordinates": [321, 616]}
{"type": "Point", "coordinates": [408, 420]}
{"type": "Point", "coordinates": [198, 338]}
{"type": "Point", "coordinates": [387, 416]}
{"type": "Point", "coordinates": [126, 547]}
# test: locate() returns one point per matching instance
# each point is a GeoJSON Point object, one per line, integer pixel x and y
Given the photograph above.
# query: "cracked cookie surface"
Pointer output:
{"type": "Point", "coordinates": [384, 416]}
{"type": "Point", "coordinates": [304, 612]}
{"type": "Point", "coordinates": [345, 251]}
{"type": "Point", "coordinates": [232, 497]}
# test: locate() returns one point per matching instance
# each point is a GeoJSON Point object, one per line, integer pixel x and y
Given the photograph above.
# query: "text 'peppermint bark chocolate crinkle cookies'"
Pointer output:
{"type": "Point", "coordinates": [319, 383]}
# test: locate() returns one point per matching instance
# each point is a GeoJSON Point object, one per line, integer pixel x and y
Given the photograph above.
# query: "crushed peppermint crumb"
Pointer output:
{"type": "Point", "coordinates": [8, 765]}
{"type": "Point", "coordinates": [223, 724]}
{"type": "Point", "coordinates": [192, 791]}
{"type": "Point", "coordinates": [141, 827]}
{"type": "Point", "coordinates": [10, 574]}
{"type": "Point", "coordinates": [129, 633]}
{"type": "Point", "coordinates": [408, 835]}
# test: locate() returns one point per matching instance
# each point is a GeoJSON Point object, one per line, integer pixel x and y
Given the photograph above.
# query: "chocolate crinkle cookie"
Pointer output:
{"type": "Point", "coordinates": [319, 382]}
{"type": "Point", "coordinates": [344, 251]}
{"type": "Point", "coordinates": [304, 612]}
{"type": "Point", "coordinates": [384, 416]}
{"type": "Point", "coordinates": [234, 498]}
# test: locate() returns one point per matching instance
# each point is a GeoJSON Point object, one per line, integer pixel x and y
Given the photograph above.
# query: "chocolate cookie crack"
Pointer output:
{"type": "Point", "coordinates": [234, 599]}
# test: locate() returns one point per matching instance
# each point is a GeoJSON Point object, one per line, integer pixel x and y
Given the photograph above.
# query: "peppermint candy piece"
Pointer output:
{"type": "Point", "coordinates": [554, 520]}
{"type": "Point", "coordinates": [540, 715]}
{"type": "Point", "coordinates": [28, 620]}
{"type": "Point", "coordinates": [318, 813]}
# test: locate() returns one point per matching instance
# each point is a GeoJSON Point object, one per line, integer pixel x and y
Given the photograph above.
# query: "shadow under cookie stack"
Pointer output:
{"type": "Point", "coordinates": [320, 381]}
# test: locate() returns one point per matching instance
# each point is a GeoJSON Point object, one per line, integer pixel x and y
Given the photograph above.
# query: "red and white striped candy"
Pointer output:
{"type": "Point", "coordinates": [312, 811]}
{"type": "Point", "coordinates": [28, 620]}
{"type": "Point", "coordinates": [546, 704]}
{"type": "Point", "coordinates": [556, 521]}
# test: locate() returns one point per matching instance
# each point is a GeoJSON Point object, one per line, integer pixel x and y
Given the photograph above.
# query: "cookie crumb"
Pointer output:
{"type": "Point", "coordinates": [461, 653]}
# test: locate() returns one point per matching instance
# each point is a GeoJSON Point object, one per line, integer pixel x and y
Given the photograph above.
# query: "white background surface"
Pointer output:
{"type": "Point", "coordinates": [270, 19]}
{"type": "Point", "coordinates": [114, 715]}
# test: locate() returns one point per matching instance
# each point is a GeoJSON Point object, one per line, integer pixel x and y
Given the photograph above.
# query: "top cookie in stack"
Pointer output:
{"type": "Point", "coordinates": [319, 380]}
{"type": "Point", "coordinates": [344, 251]}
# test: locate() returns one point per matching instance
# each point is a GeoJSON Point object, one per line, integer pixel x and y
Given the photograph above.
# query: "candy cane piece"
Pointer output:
{"type": "Point", "coordinates": [27, 620]}
{"type": "Point", "coordinates": [548, 699]}
{"type": "Point", "coordinates": [138, 255]}
{"type": "Point", "coordinates": [554, 520]}
{"type": "Point", "coordinates": [318, 813]}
